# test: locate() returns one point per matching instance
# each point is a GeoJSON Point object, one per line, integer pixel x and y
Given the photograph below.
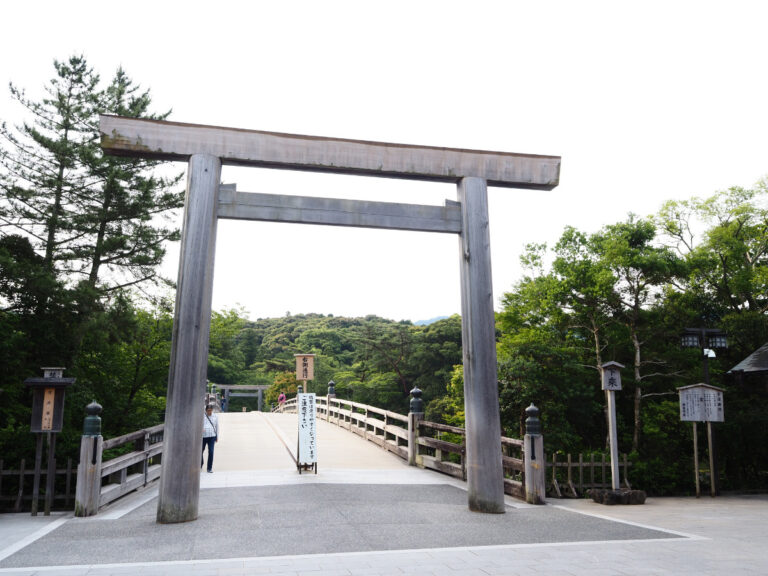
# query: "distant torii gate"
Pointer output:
{"type": "Point", "coordinates": [242, 391]}
{"type": "Point", "coordinates": [207, 148]}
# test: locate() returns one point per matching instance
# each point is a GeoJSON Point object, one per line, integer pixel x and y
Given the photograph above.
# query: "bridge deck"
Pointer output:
{"type": "Point", "coordinates": [259, 516]}
{"type": "Point", "coordinates": [258, 441]}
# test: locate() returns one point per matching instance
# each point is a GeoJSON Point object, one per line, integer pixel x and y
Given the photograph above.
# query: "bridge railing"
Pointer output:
{"type": "Point", "coordinates": [100, 481]}
{"type": "Point", "coordinates": [433, 445]}
{"type": "Point", "coordinates": [135, 469]}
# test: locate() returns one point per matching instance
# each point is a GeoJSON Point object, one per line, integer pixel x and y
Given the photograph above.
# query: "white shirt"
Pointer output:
{"type": "Point", "coordinates": [210, 427]}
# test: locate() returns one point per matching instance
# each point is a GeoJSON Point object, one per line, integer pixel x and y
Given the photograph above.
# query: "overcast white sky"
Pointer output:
{"type": "Point", "coordinates": [645, 102]}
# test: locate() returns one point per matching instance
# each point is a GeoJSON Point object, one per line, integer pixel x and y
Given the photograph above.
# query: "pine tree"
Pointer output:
{"type": "Point", "coordinates": [99, 221]}
{"type": "Point", "coordinates": [124, 220]}
{"type": "Point", "coordinates": [41, 175]}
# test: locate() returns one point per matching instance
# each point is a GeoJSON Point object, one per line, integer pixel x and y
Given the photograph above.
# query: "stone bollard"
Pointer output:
{"type": "Point", "coordinates": [415, 415]}
{"type": "Point", "coordinates": [534, 465]}
{"type": "Point", "coordinates": [329, 398]}
{"type": "Point", "coordinates": [88, 490]}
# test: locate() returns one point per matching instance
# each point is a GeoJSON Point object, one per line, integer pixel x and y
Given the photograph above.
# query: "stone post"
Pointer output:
{"type": "Point", "coordinates": [415, 415]}
{"type": "Point", "coordinates": [533, 454]}
{"type": "Point", "coordinates": [88, 489]}
{"type": "Point", "coordinates": [331, 396]}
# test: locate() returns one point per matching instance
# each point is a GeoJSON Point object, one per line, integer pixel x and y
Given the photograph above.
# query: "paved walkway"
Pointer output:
{"type": "Point", "coordinates": [358, 516]}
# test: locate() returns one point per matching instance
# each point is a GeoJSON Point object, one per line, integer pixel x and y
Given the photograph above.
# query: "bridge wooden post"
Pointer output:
{"type": "Point", "coordinates": [534, 461]}
{"type": "Point", "coordinates": [180, 479]}
{"type": "Point", "coordinates": [485, 474]}
{"type": "Point", "coordinates": [88, 487]}
{"type": "Point", "coordinates": [413, 437]}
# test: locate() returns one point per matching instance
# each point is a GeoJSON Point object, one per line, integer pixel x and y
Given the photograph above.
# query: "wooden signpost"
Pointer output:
{"type": "Point", "coordinates": [702, 403]}
{"type": "Point", "coordinates": [612, 383]}
{"type": "Point", "coordinates": [305, 367]}
{"type": "Point", "coordinates": [47, 419]}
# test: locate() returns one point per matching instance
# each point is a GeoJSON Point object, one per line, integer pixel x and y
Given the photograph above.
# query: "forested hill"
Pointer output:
{"type": "Point", "coordinates": [371, 359]}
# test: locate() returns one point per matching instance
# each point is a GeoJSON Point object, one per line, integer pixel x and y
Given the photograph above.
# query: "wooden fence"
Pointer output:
{"type": "Point", "coordinates": [16, 487]}
{"type": "Point", "coordinates": [571, 478]}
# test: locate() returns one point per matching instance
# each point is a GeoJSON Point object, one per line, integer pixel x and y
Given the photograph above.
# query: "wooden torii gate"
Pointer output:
{"type": "Point", "coordinates": [207, 148]}
{"type": "Point", "coordinates": [242, 391]}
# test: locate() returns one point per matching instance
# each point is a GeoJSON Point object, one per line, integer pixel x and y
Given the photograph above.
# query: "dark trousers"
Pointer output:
{"type": "Point", "coordinates": [211, 442]}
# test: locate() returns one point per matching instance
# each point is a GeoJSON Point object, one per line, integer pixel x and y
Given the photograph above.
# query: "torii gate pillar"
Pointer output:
{"type": "Point", "coordinates": [485, 474]}
{"type": "Point", "coordinates": [180, 480]}
{"type": "Point", "coordinates": [206, 148]}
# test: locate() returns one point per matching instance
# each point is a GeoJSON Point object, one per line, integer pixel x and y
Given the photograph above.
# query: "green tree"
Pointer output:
{"type": "Point", "coordinates": [123, 219]}
{"type": "Point", "coordinates": [541, 361]}
{"type": "Point", "coordinates": [283, 382]}
{"type": "Point", "coordinates": [731, 262]}
{"type": "Point", "coordinates": [42, 173]}
{"type": "Point", "coordinates": [85, 212]}
{"type": "Point", "coordinates": [124, 365]}
{"type": "Point", "coordinates": [641, 271]}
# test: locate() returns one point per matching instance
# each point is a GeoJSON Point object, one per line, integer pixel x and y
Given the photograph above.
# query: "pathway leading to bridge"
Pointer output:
{"type": "Point", "coordinates": [259, 449]}
{"type": "Point", "coordinates": [367, 513]}
{"type": "Point", "coordinates": [259, 441]}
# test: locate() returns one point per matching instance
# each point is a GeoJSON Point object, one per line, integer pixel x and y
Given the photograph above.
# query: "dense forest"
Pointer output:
{"type": "Point", "coordinates": [82, 236]}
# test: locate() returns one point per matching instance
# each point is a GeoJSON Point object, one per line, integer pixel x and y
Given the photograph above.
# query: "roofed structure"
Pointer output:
{"type": "Point", "coordinates": [755, 362]}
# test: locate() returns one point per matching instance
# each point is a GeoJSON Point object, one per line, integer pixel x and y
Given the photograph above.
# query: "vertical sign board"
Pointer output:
{"type": "Point", "coordinates": [49, 396]}
{"type": "Point", "coordinates": [611, 376]}
{"type": "Point", "coordinates": [305, 366]}
{"type": "Point", "coordinates": [701, 403]}
{"type": "Point", "coordinates": [306, 456]}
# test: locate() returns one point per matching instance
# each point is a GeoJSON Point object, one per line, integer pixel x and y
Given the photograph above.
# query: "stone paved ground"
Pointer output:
{"type": "Point", "coordinates": [394, 520]}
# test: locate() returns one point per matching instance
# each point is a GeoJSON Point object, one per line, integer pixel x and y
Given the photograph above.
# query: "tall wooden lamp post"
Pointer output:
{"type": "Point", "coordinates": [707, 339]}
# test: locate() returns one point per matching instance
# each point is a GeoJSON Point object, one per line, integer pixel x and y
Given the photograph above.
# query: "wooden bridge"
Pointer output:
{"type": "Point", "coordinates": [351, 436]}
{"type": "Point", "coordinates": [260, 447]}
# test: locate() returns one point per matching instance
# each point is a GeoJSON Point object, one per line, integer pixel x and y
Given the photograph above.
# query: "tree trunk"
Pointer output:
{"type": "Point", "coordinates": [638, 392]}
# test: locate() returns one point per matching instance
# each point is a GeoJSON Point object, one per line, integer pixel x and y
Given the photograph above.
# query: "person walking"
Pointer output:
{"type": "Point", "coordinates": [210, 435]}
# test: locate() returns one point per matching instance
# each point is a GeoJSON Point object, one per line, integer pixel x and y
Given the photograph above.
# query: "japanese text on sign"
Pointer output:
{"type": "Point", "coordinates": [48, 400]}
{"type": "Point", "coordinates": [611, 379]}
{"type": "Point", "coordinates": [305, 366]}
{"type": "Point", "coordinates": [701, 405]}
{"type": "Point", "coordinates": [307, 429]}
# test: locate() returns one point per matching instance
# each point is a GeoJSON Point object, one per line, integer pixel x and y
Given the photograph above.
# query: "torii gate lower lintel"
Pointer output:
{"type": "Point", "coordinates": [206, 148]}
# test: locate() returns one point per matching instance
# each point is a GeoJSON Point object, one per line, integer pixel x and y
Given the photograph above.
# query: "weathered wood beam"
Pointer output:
{"type": "Point", "coordinates": [176, 141]}
{"type": "Point", "coordinates": [485, 474]}
{"type": "Point", "coordinates": [337, 212]}
{"type": "Point", "coordinates": [179, 491]}
{"type": "Point", "coordinates": [242, 386]}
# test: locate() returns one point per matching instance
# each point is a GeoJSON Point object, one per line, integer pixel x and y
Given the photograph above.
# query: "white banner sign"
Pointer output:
{"type": "Point", "coordinates": [307, 429]}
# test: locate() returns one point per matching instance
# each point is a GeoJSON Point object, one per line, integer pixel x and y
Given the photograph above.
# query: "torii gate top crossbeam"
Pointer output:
{"type": "Point", "coordinates": [176, 141]}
